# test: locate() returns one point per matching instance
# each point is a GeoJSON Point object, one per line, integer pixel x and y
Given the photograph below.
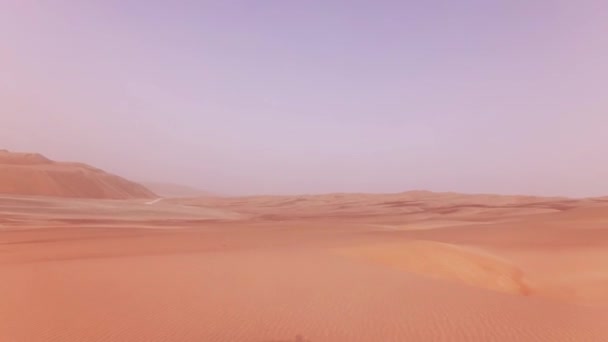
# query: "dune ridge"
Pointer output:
{"type": "Point", "coordinates": [34, 174]}
{"type": "Point", "coordinates": [450, 262]}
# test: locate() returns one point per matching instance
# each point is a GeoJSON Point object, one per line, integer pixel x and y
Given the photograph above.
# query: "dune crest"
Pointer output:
{"type": "Point", "coordinates": [34, 174]}
{"type": "Point", "coordinates": [16, 158]}
{"type": "Point", "coordinates": [449, 262]}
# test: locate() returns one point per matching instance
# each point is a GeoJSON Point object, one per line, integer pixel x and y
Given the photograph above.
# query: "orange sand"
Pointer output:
{"type": "Point", "coordinates": [34, 174]}
{"type": "Point", "coordinates": [402, 267]}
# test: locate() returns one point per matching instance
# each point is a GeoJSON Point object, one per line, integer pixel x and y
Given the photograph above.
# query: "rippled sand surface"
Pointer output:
{"type": "Point", "coordinates": [409, 267]}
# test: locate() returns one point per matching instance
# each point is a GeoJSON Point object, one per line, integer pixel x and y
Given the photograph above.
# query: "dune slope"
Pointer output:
{"type": "Point", "coordinates": [34, 174]}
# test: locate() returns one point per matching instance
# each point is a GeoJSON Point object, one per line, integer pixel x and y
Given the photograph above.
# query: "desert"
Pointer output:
{"type": "Point", "coordinates": [303, 171]}
{"type": "Point", "coordinates": [410, 266]}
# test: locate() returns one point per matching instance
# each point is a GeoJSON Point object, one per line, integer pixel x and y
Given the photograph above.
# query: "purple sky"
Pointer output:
{"type": "Point", "coordinates": [243, 97]}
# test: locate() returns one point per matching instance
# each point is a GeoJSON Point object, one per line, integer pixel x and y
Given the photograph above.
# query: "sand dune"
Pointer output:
{"type": "Point", "coordinates": [395, 208]}
{"type": "Point", "coordinates": [397, 267]}
{"type": "Point", "coordinates": [447, 261]}
{"type": "Point", "coordinates": [34, 174]}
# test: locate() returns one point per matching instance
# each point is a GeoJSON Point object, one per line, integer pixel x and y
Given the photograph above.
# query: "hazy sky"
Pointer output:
{"type": "Point", "coordinates": [278, 96]}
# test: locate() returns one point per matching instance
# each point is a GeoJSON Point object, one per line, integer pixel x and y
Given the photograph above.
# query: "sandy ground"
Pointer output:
{"type": "Point", "coordinates": [404, 267]}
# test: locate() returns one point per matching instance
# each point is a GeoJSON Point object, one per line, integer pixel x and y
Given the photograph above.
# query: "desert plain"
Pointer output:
{"type": "Point", "coordinates": [412, 266]}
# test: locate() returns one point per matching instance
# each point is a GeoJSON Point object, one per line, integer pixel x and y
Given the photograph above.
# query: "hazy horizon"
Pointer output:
{"type": "Point", "coordinates": [277, 97]}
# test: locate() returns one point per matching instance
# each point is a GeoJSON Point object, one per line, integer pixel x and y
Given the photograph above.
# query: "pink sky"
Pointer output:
{"type": "Point", "coordinates": [243, 97]}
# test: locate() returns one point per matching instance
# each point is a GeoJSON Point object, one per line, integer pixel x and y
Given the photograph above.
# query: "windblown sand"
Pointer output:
{"type": "Point", "coordinates": [404, 267]}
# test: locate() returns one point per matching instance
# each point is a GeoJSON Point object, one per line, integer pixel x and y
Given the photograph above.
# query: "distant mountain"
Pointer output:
{"type": "Point", "coordinates": [34, 174]}
{"type": "Point", "coordinates": [175, 190]}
